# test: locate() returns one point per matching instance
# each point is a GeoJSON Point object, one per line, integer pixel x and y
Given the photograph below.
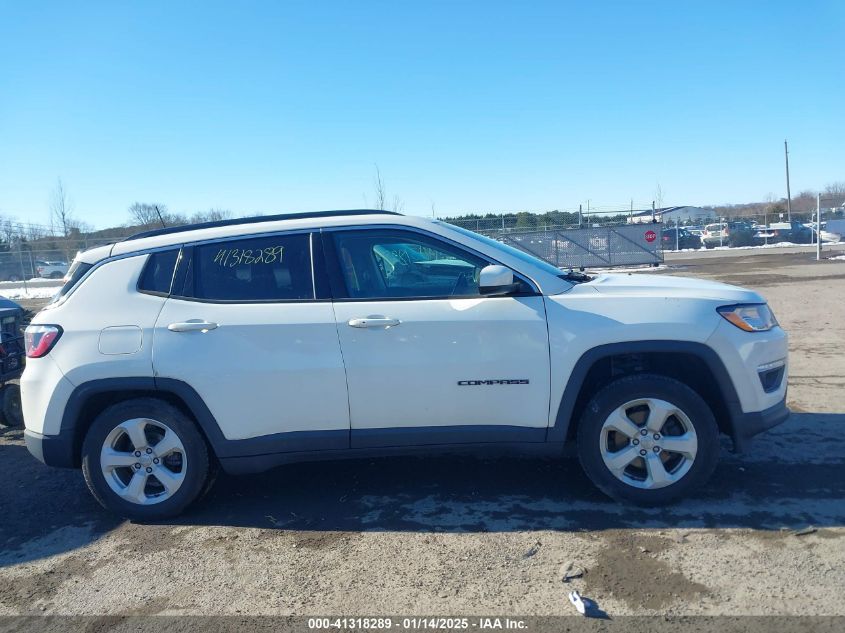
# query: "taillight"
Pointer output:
{"type": "Point", "coordinates": [40, 339]}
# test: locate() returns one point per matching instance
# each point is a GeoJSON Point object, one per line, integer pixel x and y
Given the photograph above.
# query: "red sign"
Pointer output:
{"type": "Point", "coordinates": [650, 236]}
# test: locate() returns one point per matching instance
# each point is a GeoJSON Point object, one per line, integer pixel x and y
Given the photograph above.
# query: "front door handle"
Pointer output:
{"type": "Point", "coordinates": [374, 321]}
{"type": "Point", "coordinates": [194, 325]}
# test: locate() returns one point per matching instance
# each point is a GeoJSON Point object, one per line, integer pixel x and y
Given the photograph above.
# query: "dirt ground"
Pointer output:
{"type": "Point", "coordinates": [461, 536]}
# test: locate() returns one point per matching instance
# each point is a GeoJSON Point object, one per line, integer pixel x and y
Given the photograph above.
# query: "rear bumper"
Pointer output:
{"type": "Point", "coordinates": [747, 425]}
{"type": "Point", "coordinates": [53, 450]}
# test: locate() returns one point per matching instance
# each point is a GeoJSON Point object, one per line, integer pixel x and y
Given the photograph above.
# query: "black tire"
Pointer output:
{"type": "Point", "coordinates": [635, 387]}
{"type": "Point", "coordinates": [56, 275]}
{"type": "Point", "coordinates": [14, 277]}
{"type": "Point", "coordinates": [198, 470]}
{"type": "Point", "coordinates": [11, 409]}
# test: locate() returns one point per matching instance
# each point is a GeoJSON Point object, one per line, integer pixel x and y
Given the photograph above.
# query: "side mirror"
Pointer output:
{"type": "Point", "coordinates": [495, 280]}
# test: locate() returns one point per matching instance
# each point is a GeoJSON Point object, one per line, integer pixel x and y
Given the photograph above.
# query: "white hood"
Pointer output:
{"type": "Point", "coordinates": [670, 286]}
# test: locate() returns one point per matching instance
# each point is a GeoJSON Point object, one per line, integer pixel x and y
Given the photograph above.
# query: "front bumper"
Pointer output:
{"type": "Point", "coordinates": [747, 425]}
{"type": "Point", "coordinates": [53, 450]}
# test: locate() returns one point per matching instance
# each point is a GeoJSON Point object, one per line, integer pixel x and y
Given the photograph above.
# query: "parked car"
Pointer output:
{"type": "Point", "coordinates": [11, 361]}
{"type": "Point", "coordinates": [836, 227]}
{"type": "Point", "coordinates": [679, 238]}
{"type": "Point", "coordinates": [250, 343]}
{"type": "Point", "coordinates": [825, 234]}
{"type": "Point", "coordinates": [51, 270]}
{"type": "Point", "coordinates": [794, 232]}
{"type": "Point", "coordinates": [729, 234]}
{"type": "Point", "coordinates": [11, 269]}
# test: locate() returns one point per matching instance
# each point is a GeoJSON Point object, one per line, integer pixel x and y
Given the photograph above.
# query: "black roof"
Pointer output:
{"type": "Point", "coordinates": [255, 220]}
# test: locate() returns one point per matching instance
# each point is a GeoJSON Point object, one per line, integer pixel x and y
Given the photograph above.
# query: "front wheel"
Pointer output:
{"type": "Point", "coordinates": [145, 460]}
{"type": "Point", "coordinates": [647, 439]}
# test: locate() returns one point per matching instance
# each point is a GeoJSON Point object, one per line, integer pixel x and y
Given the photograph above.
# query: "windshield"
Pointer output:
{"type": "Point", "coordinates": [510, 250]}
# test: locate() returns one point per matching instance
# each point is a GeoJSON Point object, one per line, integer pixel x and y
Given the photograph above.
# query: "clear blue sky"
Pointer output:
{"type": "Point", "coordinates": [285, 106]}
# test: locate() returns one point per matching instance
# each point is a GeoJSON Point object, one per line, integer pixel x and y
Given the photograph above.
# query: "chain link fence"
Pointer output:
{"type": "Point", "coordinates": [575, 240]}
{"type": "Point", "coordinates": [617, 238]}
{"type": "Point", "coordinates": [592, 247]}
{"type": "Point", "coordinates": [47, 255]}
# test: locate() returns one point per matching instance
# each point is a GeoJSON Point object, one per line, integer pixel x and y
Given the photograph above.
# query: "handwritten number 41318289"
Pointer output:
{"type": "Point", "coordinates": [232, 257]}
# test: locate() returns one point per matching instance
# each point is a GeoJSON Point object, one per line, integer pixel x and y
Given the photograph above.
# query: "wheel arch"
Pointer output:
{"type": "Point", "coordinates": [91, 398]}
{"type": "Point", "coordinates": [695, 364]}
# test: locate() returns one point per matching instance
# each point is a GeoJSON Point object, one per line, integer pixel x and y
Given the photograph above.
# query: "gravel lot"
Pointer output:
{"type": "Point", "coordinates": [459, 536]}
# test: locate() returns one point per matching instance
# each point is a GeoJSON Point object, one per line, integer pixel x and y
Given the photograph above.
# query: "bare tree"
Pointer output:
{"type": "Point", "coordinates": [212, 215]}
{"type": "Point", "coordinates": [397, 206]}
{"type": "Point", "coordinates": [380, 191]}
{"type": "Point", "coordinates": [155, 214]}
{"type": "Point", "coordinates": [804, 202]}
{"type": "Point", "coordinates": [658, 196]}
{"type": "Point", "coordinates": [61, 209]}
{"type": "Point", "coordinates": [380, 202]}
{"type": "Point", "coordinates": [835, 192]}
{"type": "Point", "coordinates": [61, 217]}
{"type": "Point", "coordinates": [9, 232]}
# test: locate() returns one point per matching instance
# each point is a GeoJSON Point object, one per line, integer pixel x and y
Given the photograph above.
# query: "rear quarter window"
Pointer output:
{"type": "Point", "coordinates": [77, 271]}
{"type": "Point", "coordinates": [157, 276]}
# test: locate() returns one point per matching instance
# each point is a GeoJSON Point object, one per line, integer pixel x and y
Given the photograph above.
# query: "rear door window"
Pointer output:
{"type": "Point", "coordinates": [276, 268]}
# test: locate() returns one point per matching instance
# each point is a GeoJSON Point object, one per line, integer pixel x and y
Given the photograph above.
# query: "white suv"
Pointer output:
{"type": "Point", "coordinates": [251, 343]}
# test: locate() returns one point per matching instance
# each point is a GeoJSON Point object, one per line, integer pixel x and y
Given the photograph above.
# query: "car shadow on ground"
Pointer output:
{"type": "Point", "coordinates": [43, 511]}
{"type": "Point", "coordinates": [793, 476]}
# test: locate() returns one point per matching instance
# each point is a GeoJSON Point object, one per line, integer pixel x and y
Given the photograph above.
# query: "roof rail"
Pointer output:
{"type": "Point", "coordinates": [255, 220]}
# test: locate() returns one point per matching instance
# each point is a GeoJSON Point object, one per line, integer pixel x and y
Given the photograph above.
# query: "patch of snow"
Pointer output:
{"type": "Point", "coordinates": [31, 292]}
{"type": "Point", "coordinates": [630, 269]}
{"type": "Point", "coordinates": [838, 257]}
{"type": "Point", "coordinates": [748, 248]}
{"type": "Point", "coordinates": [36, 280]}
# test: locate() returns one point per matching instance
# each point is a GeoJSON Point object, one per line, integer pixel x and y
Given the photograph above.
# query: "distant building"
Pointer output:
{"type": "Point", "coordinates": [671, 215]}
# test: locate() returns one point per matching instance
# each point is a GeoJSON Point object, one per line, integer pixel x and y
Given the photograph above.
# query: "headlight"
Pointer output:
{"type": "Point", "coordinates": [751, 317]}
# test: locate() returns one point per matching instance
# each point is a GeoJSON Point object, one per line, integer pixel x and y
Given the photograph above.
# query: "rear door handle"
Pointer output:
{"type": "Point", "coordinates": [194, 325]}
{"type": "Point", "coordinates": [382, 322]}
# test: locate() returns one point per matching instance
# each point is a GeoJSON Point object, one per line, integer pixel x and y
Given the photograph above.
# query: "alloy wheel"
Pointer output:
{"type": "Point", "coordinates": [143, 461]}
{"type": "Point", "coordinates": [648, 443]}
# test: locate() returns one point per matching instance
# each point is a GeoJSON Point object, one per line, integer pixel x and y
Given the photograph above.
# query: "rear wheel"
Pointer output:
{"type": "Point", "coordinates": [11, 405]}
{"type": "Point", "coordinates": [145, 460]}
{"type": "Point", "coordinates": [647, 439]}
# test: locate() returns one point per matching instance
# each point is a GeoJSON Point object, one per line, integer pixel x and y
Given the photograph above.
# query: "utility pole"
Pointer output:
{"type": "Point", "coordinates": [677, 234]}
{"type": "Point", "coordinates": [631, 216]}
{"type": "Point", "coordinates": [818, 226]}
{"type": "Point", "coordinates": [788, 193]}
{"type": "Point", "coordinates": [579, 216]}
